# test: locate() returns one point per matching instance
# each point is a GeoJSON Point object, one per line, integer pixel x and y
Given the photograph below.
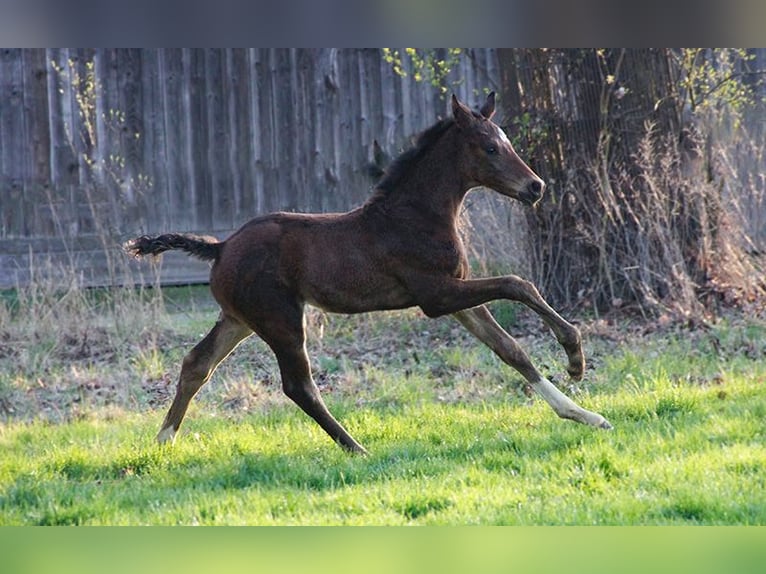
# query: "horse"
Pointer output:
{"type": "Point", "coordinates": [399, 249]}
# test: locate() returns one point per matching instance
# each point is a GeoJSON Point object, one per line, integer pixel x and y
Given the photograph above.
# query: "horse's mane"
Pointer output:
{"type": "Point", "coordinates": [399, 167]}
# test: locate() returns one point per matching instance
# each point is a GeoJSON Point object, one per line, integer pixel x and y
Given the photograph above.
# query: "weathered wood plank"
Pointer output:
{"type": "Point", "coordinates": [255, 128]}
{"type": "Point", "coordinates": [238, 134]}
{"type": "Point", "coordinates": [174, 102]}
{"type": "Point", "coordinates": [199, 141]}
{"type": "Point", "coordinates": [37, 173]}
{"type": "Point", "coordinates": [148, 187]}
{"type": "Point", "coordinates": [12, 131]}
{"type": "Point", "coordinates": [224, 134]}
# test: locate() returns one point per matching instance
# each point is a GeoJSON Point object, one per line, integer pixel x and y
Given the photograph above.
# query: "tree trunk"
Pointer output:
{"type": "Point", "coordinates": [633, 214]}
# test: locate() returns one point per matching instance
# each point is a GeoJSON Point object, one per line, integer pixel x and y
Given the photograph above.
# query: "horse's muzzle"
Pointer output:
{"type": "Point", "coordinates": [533, 192]}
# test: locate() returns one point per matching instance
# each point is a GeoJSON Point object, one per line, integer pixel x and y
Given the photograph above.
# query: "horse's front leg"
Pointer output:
{"type": "Point", "coordinates": [483, 326]}
{"type": "Point", "coordinates": [443, 297]}
{"type": "Point", "coordinates": [566, 334]}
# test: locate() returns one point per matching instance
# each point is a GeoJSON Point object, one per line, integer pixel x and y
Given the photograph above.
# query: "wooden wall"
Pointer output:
{"type": "Point", "coordinates": [196, 140]}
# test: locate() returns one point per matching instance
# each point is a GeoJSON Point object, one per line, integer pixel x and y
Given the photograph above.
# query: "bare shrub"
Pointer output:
{"type": "Point", "coordinates": [493, 232]}
{"type": "Point", "coordinates": [662, 235]}
{"type": "Point", "coordinates": [647, 205]}
{"type": "Point", "coordinates": [55, 319]}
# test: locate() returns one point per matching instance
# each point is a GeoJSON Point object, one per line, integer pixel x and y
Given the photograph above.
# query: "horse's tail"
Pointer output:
{"type": "Point", "coordinates": [201, 247]}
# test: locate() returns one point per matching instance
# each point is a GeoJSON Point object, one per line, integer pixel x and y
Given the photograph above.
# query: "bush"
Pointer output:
{"type": "Point", "coordinates": [636, 145]}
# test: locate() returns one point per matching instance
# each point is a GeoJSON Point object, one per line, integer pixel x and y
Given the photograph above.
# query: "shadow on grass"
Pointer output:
{"type": "Point", "coordinates": [74, 486]}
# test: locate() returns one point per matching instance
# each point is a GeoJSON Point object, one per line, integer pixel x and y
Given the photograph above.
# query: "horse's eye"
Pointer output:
{"type": "Point", "coordinates": [491, 150]}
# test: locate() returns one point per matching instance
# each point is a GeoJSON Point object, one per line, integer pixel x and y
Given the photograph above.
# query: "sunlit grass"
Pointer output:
{"type": "Point", "coordinates": [451, 439]}
{"type": "Point", "coordinates": [677, 456]}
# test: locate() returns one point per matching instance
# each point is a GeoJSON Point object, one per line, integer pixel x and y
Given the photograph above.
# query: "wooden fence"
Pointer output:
{"type": "Point", "coordinates": [97, 145]}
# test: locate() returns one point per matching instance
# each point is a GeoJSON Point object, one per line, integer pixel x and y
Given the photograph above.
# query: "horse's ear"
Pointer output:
{"type": "Point", "coordinates": [462, 114]}
{"type": "Point", "coordinates": [488, 109]}
{"type": "Point", "coordinates": [376, 168]}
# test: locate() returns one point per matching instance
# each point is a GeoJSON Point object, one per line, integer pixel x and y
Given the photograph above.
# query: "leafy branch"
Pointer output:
{"type": "Point", "coordinates": [425, 65]}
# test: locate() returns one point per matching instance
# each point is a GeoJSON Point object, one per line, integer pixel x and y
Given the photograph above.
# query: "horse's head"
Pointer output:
{"type": "Point", "coordinates": [488, 158]}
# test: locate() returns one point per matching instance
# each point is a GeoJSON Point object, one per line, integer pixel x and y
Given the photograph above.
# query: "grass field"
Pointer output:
{"type": "Point", "coordinates": [451, 440]}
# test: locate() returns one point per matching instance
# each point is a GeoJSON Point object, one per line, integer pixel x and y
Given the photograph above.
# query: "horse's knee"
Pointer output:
{"type": "Point", "coordinates": [527, 291]}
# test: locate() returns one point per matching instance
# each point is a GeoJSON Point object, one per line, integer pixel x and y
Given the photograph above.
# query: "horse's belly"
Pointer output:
{"type": "Point", "coordinates": [347, 291]}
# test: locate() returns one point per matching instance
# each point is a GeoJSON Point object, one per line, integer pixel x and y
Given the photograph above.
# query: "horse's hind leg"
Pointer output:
{"type": "Point", "coordinates": [299, 385]}
{"type": "Point", "coordinates": [483, 326]}
{"type": "Point", "coordinates": [285, 334]}
{"type": "Point", "coordinates": [198, 366]}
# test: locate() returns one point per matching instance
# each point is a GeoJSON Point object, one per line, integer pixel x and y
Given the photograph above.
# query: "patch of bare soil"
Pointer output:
{"type": "Point", "coordinates": [354, 357]}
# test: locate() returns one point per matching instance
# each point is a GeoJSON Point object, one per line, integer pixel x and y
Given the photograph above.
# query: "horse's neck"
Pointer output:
{"type": "Point", "coordinates": [431, 190]}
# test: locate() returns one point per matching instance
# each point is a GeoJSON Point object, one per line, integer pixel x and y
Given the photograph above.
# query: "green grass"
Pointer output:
{"type": "Point", "coordinates": [451, 440]}
{"type": "Point", "coordinates": [680, 454]}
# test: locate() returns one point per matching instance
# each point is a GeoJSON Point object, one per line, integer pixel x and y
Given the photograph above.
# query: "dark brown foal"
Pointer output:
{"type": "Point", "coordinates": [400, 249]}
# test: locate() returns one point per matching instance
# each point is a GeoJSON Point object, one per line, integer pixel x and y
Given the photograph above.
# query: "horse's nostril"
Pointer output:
{"type": "Point", "coordinates": [536, 187]}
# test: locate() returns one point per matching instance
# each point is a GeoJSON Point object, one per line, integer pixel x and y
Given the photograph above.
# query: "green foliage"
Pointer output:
{"type": "Point", "coordinates": [712, 82]}
{"type": "Point", "coordinates": [100, 140]}
{"type": "Point", "coordinates": [530, 133]}
{"type": "Point", "coordinates": [505, 313]}
{"type": "Point", "coordinates": [104, 158]}
{"type": "Point", "coordinates": [425, 65]}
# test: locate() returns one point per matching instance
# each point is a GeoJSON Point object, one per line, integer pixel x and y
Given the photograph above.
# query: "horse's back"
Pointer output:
{"type": "Point", "coordinates": [332, 261]}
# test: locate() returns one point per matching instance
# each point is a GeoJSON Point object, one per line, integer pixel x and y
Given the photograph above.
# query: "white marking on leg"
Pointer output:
{"type": "Point", "coordinates": [558, 401]}
{"type": "Point", "coordinates": [565, 407]}
{"type": "Point", "coordinates": [166, 435]}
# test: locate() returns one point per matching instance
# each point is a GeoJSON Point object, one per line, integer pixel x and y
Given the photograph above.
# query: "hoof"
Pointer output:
{"type": "Point", "coordinates": [166, 436]}
{"type": "Point", "coordinates": [355, 449]}
{"type": "Point", "coordinates": [576, 367]}
{"type": "Point", "coordinates": [576, 373]}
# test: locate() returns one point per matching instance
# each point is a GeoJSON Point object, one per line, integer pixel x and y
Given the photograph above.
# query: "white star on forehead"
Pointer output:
{"type": "Point", "coordinates": [502, 136]}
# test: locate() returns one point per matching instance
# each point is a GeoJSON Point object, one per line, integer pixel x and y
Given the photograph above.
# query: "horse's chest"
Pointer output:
{"type": "Point", "coordinates": [440, 255]}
